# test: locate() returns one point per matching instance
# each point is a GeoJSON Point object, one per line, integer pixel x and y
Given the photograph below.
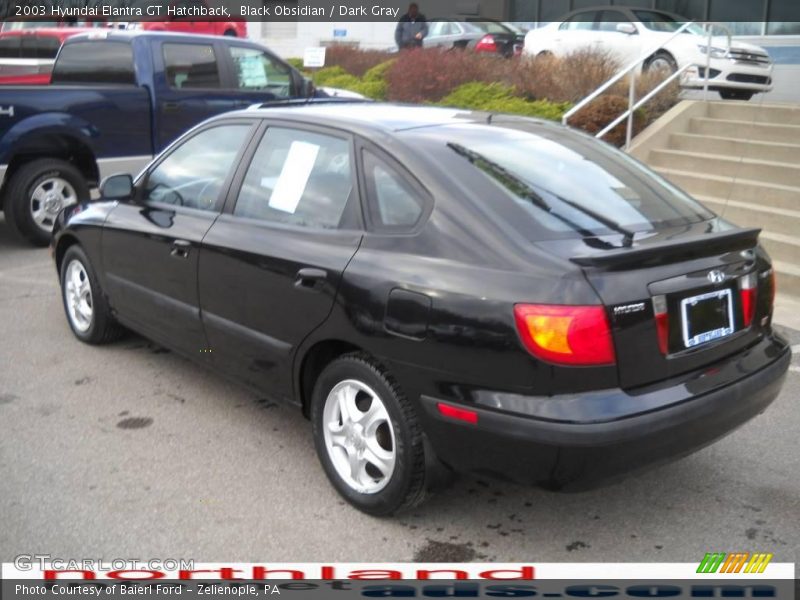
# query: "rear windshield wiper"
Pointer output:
{"type": "Point", "coordinates": [524, 190]}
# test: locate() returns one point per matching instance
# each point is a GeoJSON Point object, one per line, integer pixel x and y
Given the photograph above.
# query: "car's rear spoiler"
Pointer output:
{"type": "Point", "coordinates": [673, 250]}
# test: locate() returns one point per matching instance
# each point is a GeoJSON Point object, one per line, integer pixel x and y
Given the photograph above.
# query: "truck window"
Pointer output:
{"type": "Point", "coordinates": [191, 66]}
{"type": "Point", "coordinates": [256, 70]}
{"type": "Point", "coordinates": [95, 62]}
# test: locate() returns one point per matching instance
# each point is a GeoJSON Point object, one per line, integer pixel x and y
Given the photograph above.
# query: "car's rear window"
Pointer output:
{"type": "Point", "coordinates": [567, 184]}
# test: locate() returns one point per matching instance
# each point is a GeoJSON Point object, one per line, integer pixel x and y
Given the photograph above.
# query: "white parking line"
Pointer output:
{"type": "Point", "coordinates": [795, 348]}
{"type": "Point", "coordinates": [794, 369]}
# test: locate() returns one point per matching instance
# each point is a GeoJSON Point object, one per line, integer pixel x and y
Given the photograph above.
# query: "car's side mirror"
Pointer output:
{"type": "Point", "coordinates": [309, 89]}
{"type": "Point", "coordinates": [628, 28]}
{"type": "Point", "coordinates": [117, 187]}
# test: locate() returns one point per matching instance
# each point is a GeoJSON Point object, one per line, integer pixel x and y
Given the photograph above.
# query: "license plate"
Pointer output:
{"type": "Point", "coordinates": [707, 317]}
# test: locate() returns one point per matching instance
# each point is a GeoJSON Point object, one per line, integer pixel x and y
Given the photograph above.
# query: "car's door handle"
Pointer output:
{"type": "Point", "coordinates": [310, 279]}
{"type": "Point", "coordinates": [172, 106]}
{"type": "Point", "coordinates": [180, 248]}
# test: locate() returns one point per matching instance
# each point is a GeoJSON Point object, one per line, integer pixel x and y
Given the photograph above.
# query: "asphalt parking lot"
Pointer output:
{"type": "Point", "coordinates": [128, 451]}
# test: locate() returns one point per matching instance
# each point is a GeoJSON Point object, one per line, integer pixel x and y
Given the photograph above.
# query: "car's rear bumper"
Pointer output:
{"type": "Point", "coordinates": [672, 420]}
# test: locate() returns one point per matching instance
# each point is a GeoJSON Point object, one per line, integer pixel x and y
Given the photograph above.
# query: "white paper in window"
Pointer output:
{"type": "Point", "coordinates": [294, 177]}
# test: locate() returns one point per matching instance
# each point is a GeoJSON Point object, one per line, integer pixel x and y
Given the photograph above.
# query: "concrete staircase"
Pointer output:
{"type": "Point", "coordinates": [742, 160]}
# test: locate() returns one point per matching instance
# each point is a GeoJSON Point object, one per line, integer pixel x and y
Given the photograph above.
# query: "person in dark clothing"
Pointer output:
{"type": "Point", "coordinates": [411, 28]}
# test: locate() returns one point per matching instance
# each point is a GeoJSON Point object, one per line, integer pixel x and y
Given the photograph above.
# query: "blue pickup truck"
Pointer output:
{"type": "Point", "coordinates": [114, 101]}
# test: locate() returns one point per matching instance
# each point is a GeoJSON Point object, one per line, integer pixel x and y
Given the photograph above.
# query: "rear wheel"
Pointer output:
{"type": "Point", "coordinates": [367, 436]}
{"type": "Point", "coordinates": [36, 194]}
{"type": "Point", "coordinates": [736, 94]}
{"type": "Point", "coordinates": [230, 33]}
{"type": "Point", "coordinates": [87, 310]}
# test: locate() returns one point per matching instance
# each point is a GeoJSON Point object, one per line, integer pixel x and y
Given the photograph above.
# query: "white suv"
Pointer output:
{"type": "Point", "coordinates": [629, 33]}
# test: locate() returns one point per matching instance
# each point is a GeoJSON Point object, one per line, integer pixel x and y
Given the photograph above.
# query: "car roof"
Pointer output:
{"type": "Point", "coordinates": [129, 35]}
{"type": "Point", "coordinates": [61, 32]}
{"type": "Point", "coordinates": [366, 116]}
{"type": "Point", "coordinates": [620, 8]}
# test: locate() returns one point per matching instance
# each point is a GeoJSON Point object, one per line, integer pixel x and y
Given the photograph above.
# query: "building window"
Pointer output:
{"type": "Point", "coordinates": [784, 17]}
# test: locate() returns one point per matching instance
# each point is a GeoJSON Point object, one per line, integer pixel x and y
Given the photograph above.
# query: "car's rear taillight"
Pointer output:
{"type": "Point", "coordinates": [486, 44]}
{"type": "Point", "coordinates": [662, 323]}
{"type": "Point", "coordinates": [566, 335]}
{"type": "Point", "coordinates": [748, 290]}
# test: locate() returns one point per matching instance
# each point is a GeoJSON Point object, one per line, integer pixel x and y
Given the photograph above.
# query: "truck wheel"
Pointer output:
{"type": "Point", "coordinates": [88, 313]}
{"type": "Point", "coordinates": [367, 436]}
{"type": "Point", "coordinates": [36, 194]}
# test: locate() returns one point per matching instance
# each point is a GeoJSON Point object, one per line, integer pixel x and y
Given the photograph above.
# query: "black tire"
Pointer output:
{"type": "Point", "coordinates": [102, 327]}
{"type": "Point", "coordinates": [736, 94]}
{"type": "Point", "coordinates": [406, 485]}
{"type": "Point", "coordinates": [19, 196]}
{"type": "Point", "coordinates": [662, 58]}
{"type": "Point", "coordinates": [230, 33]}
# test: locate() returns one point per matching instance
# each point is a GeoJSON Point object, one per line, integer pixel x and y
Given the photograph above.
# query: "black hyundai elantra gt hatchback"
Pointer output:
{"type": "Point", "coordinates": [436, 290]}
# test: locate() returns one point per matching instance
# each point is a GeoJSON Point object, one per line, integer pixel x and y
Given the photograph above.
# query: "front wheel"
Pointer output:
{"type": "Point", "coordinates": [367, 436]}
{"type": "Point", "coordinates": [661, 61]}
{"type": "Point", "coordinates": [736, 94]}
{"type": "Point", "coordinates": [36, 194]}
{"type": "Point", "coordinates": [87, 310]}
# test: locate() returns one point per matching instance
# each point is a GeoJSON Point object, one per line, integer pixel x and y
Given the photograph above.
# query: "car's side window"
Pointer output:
{"type": "Point", "coordinates": [193, 174]}
{"type": "Point", "coordinates": [610, 19]}
{"type": "Point", "coordinates": [583, 21]}
{"type": "Point", "coordinates": [298, 178]}
{"type": "Point", "coordinates": [191, 66]}
{"type": "Point", "coordinates": [256, 70]}
{"type": "Point", "coordinates": [392, 202]}
{"type": "Point", "coordinates": [436, 28]}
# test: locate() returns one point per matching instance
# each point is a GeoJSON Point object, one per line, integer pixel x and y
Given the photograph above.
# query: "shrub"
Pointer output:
{"type": "Point", "coordinates": [371, 89]}
{"type": "Point", "coordinates": [353, 60]}
{"type": "Point", "coordinates": [344, 82]}
{"type": "Point", "coordinates": [323, 76]}
{"type": "Point", "coordinates": [601, 112]}
{"type": "Point", "coordinates": [567, 79]}
{"type": "Point", "coordinates": [378, 72]}
{"type": "Point", "coordinates": [496, 97]}
{"type": "Point", "coordinates": [428, 75]}
{"type": "Point", "coordinates": [661, 102]}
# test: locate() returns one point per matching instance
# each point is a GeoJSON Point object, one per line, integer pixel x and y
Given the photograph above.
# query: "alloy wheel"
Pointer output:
{"type": "Point", "coordinates": [47, 200]}
{"type": "Point", "coordinates": [78, 296]}
{"type": "Point", "coordinates": [359, 436]}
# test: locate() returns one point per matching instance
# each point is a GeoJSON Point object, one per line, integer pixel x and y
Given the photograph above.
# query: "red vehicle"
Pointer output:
{"type": "Point", "coordinates": [27, 55]}
{"type": "Point", "coordinates": [220, 27]}
{"type": "Point", "coordinates": [183, 18]}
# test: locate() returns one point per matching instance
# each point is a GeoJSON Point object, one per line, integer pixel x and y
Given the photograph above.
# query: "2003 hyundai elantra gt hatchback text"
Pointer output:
{"type": "Point", "coordinates": [436, 290]}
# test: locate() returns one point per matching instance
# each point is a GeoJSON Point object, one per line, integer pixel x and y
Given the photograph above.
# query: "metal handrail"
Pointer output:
{"type": "Point", "coordinates": [632, 104]}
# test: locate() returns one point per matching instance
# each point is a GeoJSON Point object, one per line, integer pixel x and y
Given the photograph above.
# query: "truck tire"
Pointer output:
{"type": "Point", "coordinates": [36, 194]}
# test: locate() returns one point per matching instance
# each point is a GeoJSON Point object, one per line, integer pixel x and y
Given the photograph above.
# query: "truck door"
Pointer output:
{"type": "Point", "coordinates": [192, 87]}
